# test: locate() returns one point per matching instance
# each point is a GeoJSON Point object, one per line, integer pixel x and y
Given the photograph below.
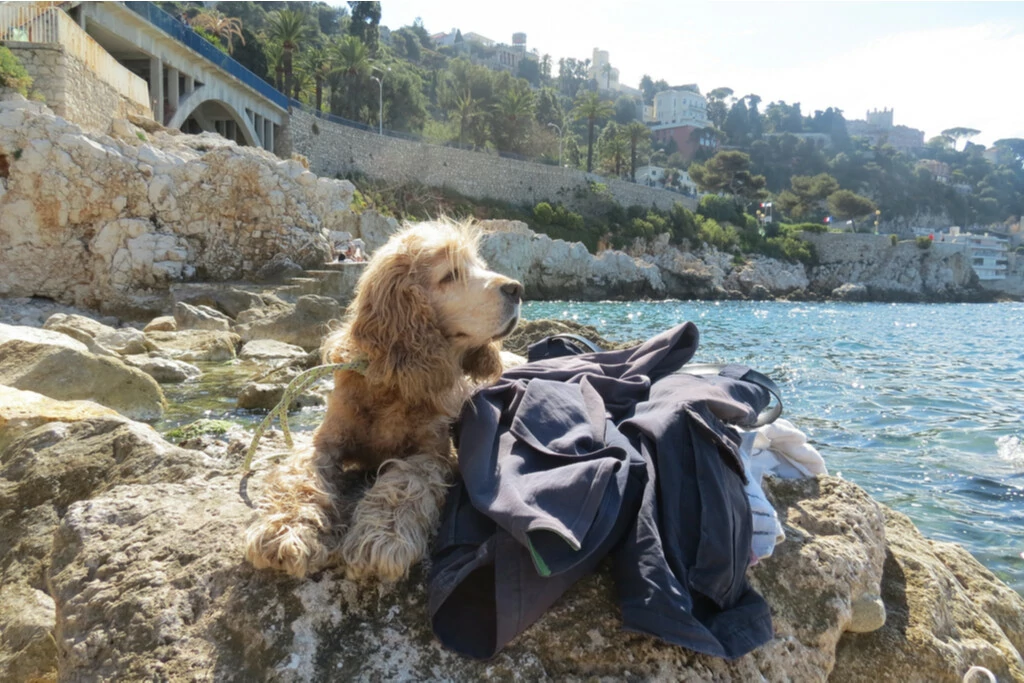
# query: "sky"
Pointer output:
{"type": "Point", "coordinates": [938, 65]}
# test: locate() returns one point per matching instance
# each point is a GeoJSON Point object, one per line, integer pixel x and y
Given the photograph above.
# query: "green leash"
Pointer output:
{"type": "Point", "coordinates": [301, 382]}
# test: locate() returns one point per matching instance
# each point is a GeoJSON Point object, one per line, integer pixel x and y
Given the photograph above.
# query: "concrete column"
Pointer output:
{"type": "Point", "coordinates": [156, 88]}
{"type": "Point", "coordinates": [190, 85]}
{"type": "Point", "coordinates": [172, 89]}
{"type": "Point", "coordinates": [257, 125]}
{"type": "Point", "coordinates": [268, 135]}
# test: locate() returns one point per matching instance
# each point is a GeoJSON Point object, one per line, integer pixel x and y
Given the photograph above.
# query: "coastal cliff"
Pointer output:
{"type": "Point", "coordinates": [111, 222]}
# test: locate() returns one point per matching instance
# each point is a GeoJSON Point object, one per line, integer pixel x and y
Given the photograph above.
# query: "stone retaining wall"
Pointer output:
{"type": "Point", "coordinates": [72, 90]}
{"type": "Point", "coordinates": [334, 149]}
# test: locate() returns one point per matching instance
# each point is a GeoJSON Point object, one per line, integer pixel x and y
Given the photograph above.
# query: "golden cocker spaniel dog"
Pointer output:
{"type": "Point", "coordinates": [426, 317]}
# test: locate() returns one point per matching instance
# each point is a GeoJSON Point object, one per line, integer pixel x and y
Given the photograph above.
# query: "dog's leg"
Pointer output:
{"type": "Point", "coordinates": [296, 514]}
{"type": "Point", "coordinates": [392, 524]}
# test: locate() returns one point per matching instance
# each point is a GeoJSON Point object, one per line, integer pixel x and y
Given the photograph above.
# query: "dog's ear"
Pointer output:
{"type": "Point", "coordinates": [483, 364]}
{"type": "Point", "coordinates": [395, 327]}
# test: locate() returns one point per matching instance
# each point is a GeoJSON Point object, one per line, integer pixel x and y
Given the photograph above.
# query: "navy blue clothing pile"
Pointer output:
{"type": "Point", "coordinates": [571, 459]}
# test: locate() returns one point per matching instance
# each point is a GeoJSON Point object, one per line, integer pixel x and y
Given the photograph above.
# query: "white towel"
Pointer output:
{"type": "Point", "coordinates": [780, 449]}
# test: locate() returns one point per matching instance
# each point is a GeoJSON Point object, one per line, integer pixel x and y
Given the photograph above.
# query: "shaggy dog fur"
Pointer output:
{"type": "Point", "coordinates": [427, 316]}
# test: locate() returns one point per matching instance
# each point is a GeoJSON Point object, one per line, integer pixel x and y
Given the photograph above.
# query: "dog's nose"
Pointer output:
{"type": "Point", "coordinates": [513, 289]}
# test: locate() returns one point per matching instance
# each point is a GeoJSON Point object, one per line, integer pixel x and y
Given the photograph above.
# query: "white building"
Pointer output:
{"type": "Point", "coordinates": [680, 108]}
{"type": "Point", "coordinates": [989, 254]}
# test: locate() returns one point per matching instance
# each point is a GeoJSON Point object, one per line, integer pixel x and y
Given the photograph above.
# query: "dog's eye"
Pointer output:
{"type": "Point", "coordinates": [452, 276]}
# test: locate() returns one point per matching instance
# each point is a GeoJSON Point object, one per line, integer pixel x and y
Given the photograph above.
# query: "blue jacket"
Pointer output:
{"type": "Point", "coordinates": [567, 460]}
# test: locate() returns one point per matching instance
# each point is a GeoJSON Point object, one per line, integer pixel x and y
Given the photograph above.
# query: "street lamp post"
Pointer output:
{"type": "Point", "coordinates": [380, 99]}
{"type": "Point", "coordinates": [559, 143]}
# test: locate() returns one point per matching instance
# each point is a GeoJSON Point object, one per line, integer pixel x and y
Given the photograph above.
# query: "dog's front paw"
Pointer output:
{"type": "Point", "coordinates": [375, 548]}
{"type": "Point", "coordinates": [295, 548]}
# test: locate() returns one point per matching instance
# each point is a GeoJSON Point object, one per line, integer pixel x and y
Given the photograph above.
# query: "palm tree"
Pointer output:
{"type": "Point", "coordinates": [591, 107]}
{"type": "Point", "coordinates": [615, 148]}
{"type": "Point", "coordinates": [317, 63]}
{"type": "Point", "coordinates": [350, 59]}
{"type": "Point", "coordinates": [290, 28]}
{"type": "Point", "coordinates": [275, 62]}
{"type": "Point", "coordinates": [467, 109]}
{"type": "Point", "coordinates": [512, 112]}
{"type": "Point", "coordinates": [219, 25]}
{"type": "Point", "coordinates": [637, 133]}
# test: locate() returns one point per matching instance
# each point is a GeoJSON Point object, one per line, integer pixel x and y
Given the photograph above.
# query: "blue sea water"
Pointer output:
{"type": "Point", "coordinates": [922, 405]}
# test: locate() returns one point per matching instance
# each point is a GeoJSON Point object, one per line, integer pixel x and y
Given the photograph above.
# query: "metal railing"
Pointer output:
{"type": "Point", "coordinates": [30, 22]}
{"type": "Point", "coordinates": [184, 34]}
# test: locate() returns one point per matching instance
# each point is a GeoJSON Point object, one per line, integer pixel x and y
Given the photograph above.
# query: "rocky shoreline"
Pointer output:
{"type": "Point", "coordinates": [122, 553]}
{"type": "Point", "coordinates": [114, 222]}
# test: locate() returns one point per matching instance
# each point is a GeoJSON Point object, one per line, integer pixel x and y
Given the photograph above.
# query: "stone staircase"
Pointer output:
{"type": "Point", "coordinates": [334, 280]}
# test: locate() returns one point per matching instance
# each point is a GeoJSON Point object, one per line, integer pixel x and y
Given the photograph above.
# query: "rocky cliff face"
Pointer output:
{"type": "Point", "coordinates": [888, 272]}
{"type": "Point", "coordinates": [103, 221]}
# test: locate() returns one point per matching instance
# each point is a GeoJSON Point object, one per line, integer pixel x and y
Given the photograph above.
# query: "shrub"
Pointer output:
{"type": "Point", "coordinates": [924, 243]}
{"type": "Point", "coordinates": [710, 231]}
{"type": "Point", "coordinates": [12, 72]}
{"type": "Point", "coordinates": [721, 209]}
{"type": "Point", "coordinates": [894, 240]}
{"type": "Point", "coordinates": [544, 214]}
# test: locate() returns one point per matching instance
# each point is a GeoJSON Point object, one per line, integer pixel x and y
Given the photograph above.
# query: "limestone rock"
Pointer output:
{"type": "Point", "coordinates": [945, 613]}
{"type": "Point", "coordinates": [204, 610]}
{"type": "Point", "coordinates": [555, 269]}
{"type": "Point", "coordinates": [57, 369]}
{"type": "Point", "coordinates": [188, 317]}
{"type": "Point", "coordinates": [269, 349]}
{"type": "Point", "coordinates": [27, 649]}
{"type": "Point", "coordinates": [278, 269]}
{"type": "Point", "coordinates": [851, 291]}
{"type": "Point", "coordinates": [97, 220]}
{"type": "Point", "coordinates": [164, 323]}
{"type": "Point", "coordinates": [49, 468]}
{"type": "Point", "coordinates": [96, 335]}
{"type": "Point", "coordinates": [375, 229]}
{"type": "Point", "coordinates": [196, 345]}
{"type": "Point", "coordinates": [23, 411]}
{"type": "Point", "coordinates": [305, 325]}
{"type": "Point", "coordinates": [774, 277]}
{"type": "Point", "coordinates": [262, 396]}
{"type": "Point", "coordinates": [164, 370]}
{"type": "Point", "coordinates": [228, 300]}
{"type": "Point", "coordinates": [528, 332]}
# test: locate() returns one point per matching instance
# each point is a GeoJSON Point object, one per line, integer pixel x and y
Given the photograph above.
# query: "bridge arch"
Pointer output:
{"type": "Point", "coordinates": [215, 115]}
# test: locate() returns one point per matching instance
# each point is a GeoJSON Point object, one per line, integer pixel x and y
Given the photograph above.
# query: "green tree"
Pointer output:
{"type": "Point", "coordinates": [806, 196]}
{"type": "Point", "coordinates": [955, 134]}
{"type": "Point", "coordinates": [606, 71]}
{"type": "Point", "coordinates": [729, 172]}
{"type": "Point", "coordinates": [529, 70]}
{"type": "Point", "coordinates": [290, 28]}
{"type": "Point", "coordinates": [625, 110]}
{"type": "Point", "coordinates": [717, 108]}
{"type": "Point", "coordinates": [737, 124]}
{"type": "Point", "coordinates": [365, 23]}
{"type": "Point", "coordinates": [591, 108]}
{"type": "Point", "coordinates": [639, 137]}
{"type": "Point", "coordinates": [847, 205]}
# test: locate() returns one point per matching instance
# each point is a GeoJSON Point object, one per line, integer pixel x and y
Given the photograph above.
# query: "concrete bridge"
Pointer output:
{"type": "Point", "coordinates": [192, 85]}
